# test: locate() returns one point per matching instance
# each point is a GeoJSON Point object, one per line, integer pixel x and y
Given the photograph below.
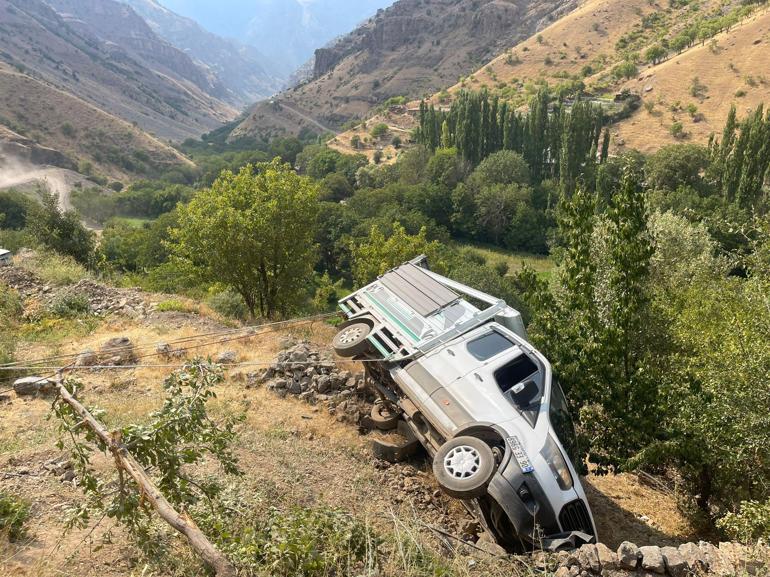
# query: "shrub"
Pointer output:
{"type": "Point", "coordinates": [379, 130]}
{"type": "Point", "coordinates": [55, 269]}
{"type": "Point", "coordinates": [677, 130]}
{"type": "Point", "coordinates": [14, 513]}
{"type": "Point", "coordinates": [70, 305]}
{"type": "Point", "coordinates": [303, 542]}
{"type": "Point", "coordinates": [229, 304]}
{"type": "Point", "coordinates": [740, 93]}
{"type": "Point", "coordinates": [750, 523]}
{"type": "Point", "coordinates": [625, 69]}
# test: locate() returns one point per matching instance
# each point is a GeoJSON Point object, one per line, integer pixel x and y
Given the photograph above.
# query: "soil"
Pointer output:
{"type": "Point", "coordinates": [290, 452]}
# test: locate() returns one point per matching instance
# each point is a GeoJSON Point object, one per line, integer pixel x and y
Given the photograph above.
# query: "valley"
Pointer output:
{"type": "Point", "coordinates": [191, 192]}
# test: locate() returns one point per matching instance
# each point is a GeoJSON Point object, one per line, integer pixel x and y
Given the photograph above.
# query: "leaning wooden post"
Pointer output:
{"type": "Point", "coordinates": [179, 521]}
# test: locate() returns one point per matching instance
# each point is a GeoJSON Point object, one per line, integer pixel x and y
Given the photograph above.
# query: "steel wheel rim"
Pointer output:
{"type": "Point", "coordinates": [350, 335]}
{"type": "Point", "coordinates": [462, 462]}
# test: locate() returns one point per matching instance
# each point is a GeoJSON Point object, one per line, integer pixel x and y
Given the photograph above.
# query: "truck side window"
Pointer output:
{"type": "Point", "coordinates": [487, 346]}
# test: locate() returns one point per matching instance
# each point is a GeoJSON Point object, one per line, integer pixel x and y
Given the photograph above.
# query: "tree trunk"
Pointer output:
{"type": "Point", "coordinates": [179, 521]}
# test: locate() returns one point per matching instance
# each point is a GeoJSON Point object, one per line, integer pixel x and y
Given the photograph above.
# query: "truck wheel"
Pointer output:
{"type": "Point", "coordinates": [463, 467]}
{"type": "Point", "coordinates": [351, 340]}
{"type": "Point", "coordinates": [383, 418]}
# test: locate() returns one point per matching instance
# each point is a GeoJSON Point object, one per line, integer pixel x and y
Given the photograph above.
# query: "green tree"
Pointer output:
{"type": "Point", "coordinates": [60, 231]}
{"type": "Point", "coordinates": [253, 231]}
{"type": "Point", "coordinates": [655, 54]}
{"type": "Point", "coordinates": [378, 253]}
{"type": "Point", "coordinates": [677, 164]}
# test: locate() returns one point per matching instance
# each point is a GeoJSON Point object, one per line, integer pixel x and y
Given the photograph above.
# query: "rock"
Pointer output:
{"type": "Point", "coordinates": [323, 384]}
{"type": "Point", "coordinates": [487, 543]}
{"type": "Point", "coordinates": [163, 349]}
{"type": "Point", "coordinates": [693, 556]}
{"type": "Point", "coordinates": [742, 558]}
{"type": "Point", "coordinates": [718, 564]}
{"type": "Point", "coordinates": [652, 559]}
{"type": "Point", "coordinates": [87, 358]}
{"type": "Point", "coordinates": [294, 388]}
{"type": "Point", "coordinates": [29, 386]}
{"type": "Point", "coordinates": [118, 351]}
{"type": "Point", "coordinates": [648, 88]}
{"type": "Point", "coordinates": [608, 559]}
{"type": "Point", "coordinates": [5, 398]}
{"type": "Point", "coordinates": [279, 384]}
{"type": "Point", "coordinates": [628, 555]}
{"type": "Point", "coordinates": [676, 566]}
{"type": "Point", "coordinates": [588, 557]}
{"type": "Point", "coordinates": [226, 358]}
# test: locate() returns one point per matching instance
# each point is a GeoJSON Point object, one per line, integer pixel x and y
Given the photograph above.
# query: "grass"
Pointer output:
{"type": "Point", "coordinates": [54, 269]}
{"type": "Point", "coordinates": [541, 264]}
{"type": "Point", "coordinates": [134, 222]}
{"type": "Point", "coordinates": [174, 305]}
{"type": "Point", "coordinates": [14, 513]}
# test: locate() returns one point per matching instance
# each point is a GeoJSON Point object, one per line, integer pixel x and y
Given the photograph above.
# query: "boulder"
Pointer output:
{"type": "Point", "coordinates": [226, 358]}
{"type": "Point", "coordinates": [694, 557]}
{"type": "Point", "coordinates": [652, 559]}
{"type": "Point", "coordinates": [628, 555]}
{"type": "Point", "coordinates": [33, 386]}
{"type": "Point", "coordinates": [676, 566]}
{"type": "Point", "coordinates": [87, 358]}
{"type": "Point", "coordinates": [608, 559]}
{"type": "Point", "coordinates": [118, 351]}
{"type": "Point", "coordinates": [487, 543]}
{"type": "Point", "coordinates": [588, 558]}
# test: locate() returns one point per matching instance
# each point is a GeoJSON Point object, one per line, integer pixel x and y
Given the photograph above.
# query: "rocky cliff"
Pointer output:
{"type": "Point", "coordinates": [410, 49]}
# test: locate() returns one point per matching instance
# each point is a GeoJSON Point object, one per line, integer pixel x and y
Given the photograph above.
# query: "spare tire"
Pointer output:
{"type": "Point", "coordinates": [464, 466]}
{"type": "Point", "coordinates": [383, 418]}
{"type": "Point", "coordinates": [351, 340]}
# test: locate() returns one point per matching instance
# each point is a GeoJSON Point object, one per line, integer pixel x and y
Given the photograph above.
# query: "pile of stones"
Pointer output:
{"type": "Point", "coordinates": [687, 559]}
{"type": "Point", "coordinates": [102, 300]}
{"type": "Point", "coordinates": [315, 378]}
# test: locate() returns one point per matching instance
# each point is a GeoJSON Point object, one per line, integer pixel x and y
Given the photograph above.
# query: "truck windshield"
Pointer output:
{"type": "Point", "coordinates": [561, 420]}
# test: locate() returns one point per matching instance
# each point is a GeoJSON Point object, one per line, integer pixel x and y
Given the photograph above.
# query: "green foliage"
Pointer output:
{"type": "Point", "coordinates": [70, 305]}
{"type": "Point", "coordinates": [326, 293]}
{"type": "Point", "coordinates": [677, 165]}
{"type": "Point", "coordinates": [175, 305]}
{"type": "Point", "coordinates": [253, 232]}
{"type": "Point", "coordinates": [14, 208]}
{"type": "Point", "coordinates": [10, 310]}
{"type": "Point", "coordinates": [54, 269]}
{"type": "Point", "coordinates": [60, 231]}
{"type": "Point", "coordinates": [176, 438]}
{"type": "Point", "coordinates": [750, 523]}
{"type": "Point", "coordinates": [655, 54]}
{"type": "Point", "coordinates": [14, 514]}
{"type": "Point", "coordinates": [378, 254]}
{"type": "Point", "coordinates": [229, 303]}
{"type": "Point", "coordinates": [625, 69]}
{"type": "Point", "coordinates": [379, 130]}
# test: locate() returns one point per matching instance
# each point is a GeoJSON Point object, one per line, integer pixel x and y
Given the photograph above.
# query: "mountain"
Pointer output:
{"type": "Point", "coordinates": [245, 74]}
{"type": "Point", "coordinates": [285, 31]}
{"type": "Point", "coordinates": [42, 125]}
{"type": "Point", "coordinates": [413, 48]}
{"type": "Point", "coordinates": [723, 63]}
{"type": "Point", "coordinates": [102, 52]}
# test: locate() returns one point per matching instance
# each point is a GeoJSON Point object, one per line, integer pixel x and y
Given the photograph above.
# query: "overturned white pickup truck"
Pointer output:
{"type": "Point", "coordinates": [480, 399]}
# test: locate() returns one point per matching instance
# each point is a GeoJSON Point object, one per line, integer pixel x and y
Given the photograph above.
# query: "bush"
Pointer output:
{"type": "Point", "coordinates": [304, 542]}
{"type": "Point", "coordinates": [379, 130]}
{"type": "Point", "coordinates": [229, 304]}
{"type": "Point", "coordinates": [55, 269]}
{"type": "Point", "coordinates": [14, 513]}
{"type": "Point", "coordinates": [70, 305]}
{"type": "Point", "coordinates": [750, 523]}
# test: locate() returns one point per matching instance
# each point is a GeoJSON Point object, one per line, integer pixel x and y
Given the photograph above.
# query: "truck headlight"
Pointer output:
{"type": "Point", "coordinates": [558, 465]}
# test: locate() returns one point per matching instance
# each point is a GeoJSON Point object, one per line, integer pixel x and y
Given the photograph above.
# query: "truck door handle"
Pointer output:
{"type": "Point", "coordinates": [478, 376]}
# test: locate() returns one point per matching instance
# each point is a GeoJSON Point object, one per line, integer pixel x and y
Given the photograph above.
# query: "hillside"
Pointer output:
{"type": "Point", "coordinates": [245, 75]}
{"type": "Point", "coordinates": [111, 59]}
{"type": "Point", "coordinates": [585, 49]}
{"type": "Point", "coordinates": [51, 127]}
{"type": "Point", "coordinates": [413, 48]}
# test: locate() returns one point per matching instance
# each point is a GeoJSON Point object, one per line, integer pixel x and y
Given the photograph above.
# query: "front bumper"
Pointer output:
{"type": "Point", "coordinates": [530, 515]}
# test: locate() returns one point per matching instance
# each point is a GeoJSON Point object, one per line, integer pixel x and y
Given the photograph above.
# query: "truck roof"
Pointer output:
{"type": "Point", "coordinates": [417, 309]}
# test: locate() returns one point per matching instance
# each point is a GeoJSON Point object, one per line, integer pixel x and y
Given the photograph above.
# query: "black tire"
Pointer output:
{"type": "Point", "coordinates": [382, 418]}
{"type": "Point", "coordinates": [351, 340]}
{"type": "Point", "coordinates": [463, 467]}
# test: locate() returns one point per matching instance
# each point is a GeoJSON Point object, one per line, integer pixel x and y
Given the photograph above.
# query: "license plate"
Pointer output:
{"type": "Point", "coordinates": [519, 454]}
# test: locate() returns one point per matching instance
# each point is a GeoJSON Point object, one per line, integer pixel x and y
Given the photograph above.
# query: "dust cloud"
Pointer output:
{"type": "Point", "coordinates": [15, 172]}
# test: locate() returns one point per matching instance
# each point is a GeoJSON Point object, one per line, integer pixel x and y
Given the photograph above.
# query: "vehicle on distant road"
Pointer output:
{"type": "Point", "coordinates": [481, 400]}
